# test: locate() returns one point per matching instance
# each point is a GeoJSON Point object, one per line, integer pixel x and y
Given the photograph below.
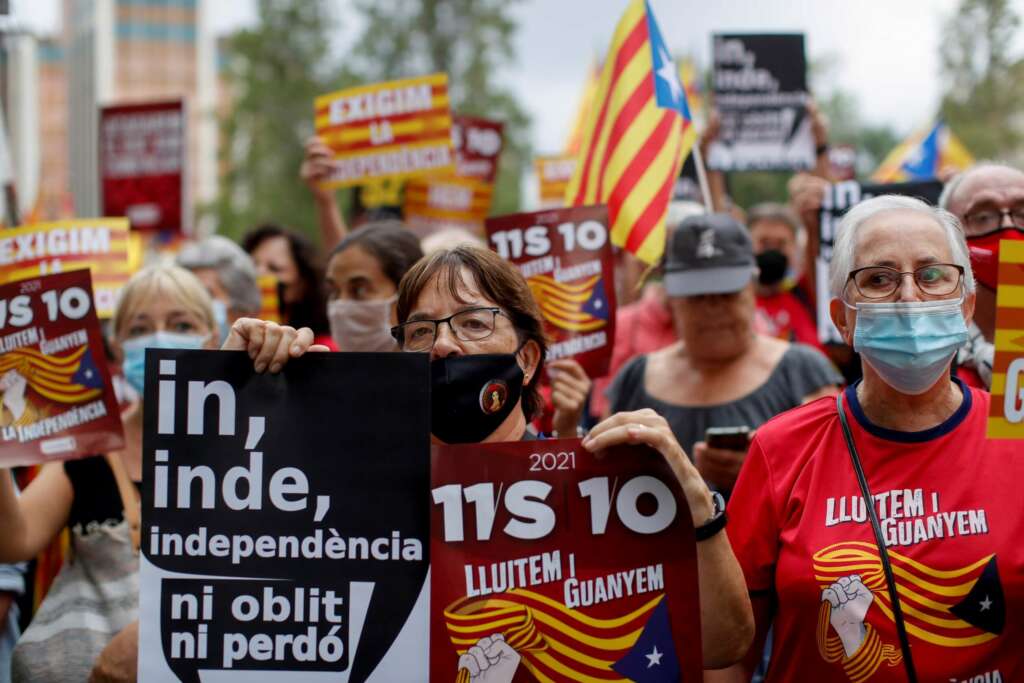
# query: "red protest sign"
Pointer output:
{"type": "Point", "coordinates": [567, 260]}
{"type": "Point", "coordinates": [463, 198]}
{"type": "Point", "coordinates": [57, 398]}
{"type": "Point", "coordinates": [142, 158]}
{"type": "Point", "coordinates": [586, 568]}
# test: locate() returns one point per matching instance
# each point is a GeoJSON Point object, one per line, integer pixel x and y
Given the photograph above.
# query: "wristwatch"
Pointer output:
{"type": "Point", "coordinates": [717, 520]}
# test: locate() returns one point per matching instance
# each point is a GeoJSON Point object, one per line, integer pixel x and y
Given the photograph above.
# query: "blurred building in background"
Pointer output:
{"type": "Point", "coordinates": [19, 90]}
{"type": "Point", "coordinates": [108, 52]}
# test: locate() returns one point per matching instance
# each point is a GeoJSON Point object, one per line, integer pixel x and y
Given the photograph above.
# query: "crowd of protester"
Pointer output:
{"type": "Point", "coordinates": [717, 365]}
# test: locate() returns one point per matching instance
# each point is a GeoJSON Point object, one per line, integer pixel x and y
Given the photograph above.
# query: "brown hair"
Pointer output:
{"type": "Point", "coordinates": [499, 281]}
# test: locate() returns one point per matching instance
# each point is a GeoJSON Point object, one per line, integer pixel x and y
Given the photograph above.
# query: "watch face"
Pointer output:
{"type": "Point", "coordinates": [718, 501]}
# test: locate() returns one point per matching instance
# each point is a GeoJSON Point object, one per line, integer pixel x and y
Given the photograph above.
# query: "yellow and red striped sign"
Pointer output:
{"type": "Point", "coordinates": [464, 197]}
{"type": "Point", "coordinates": [270, 301]}
{"type": "Point", "coordinates": [100, 244]}
{"type": "Point", "coordinates": [397, 129]}
{"type": "Point", "coordinates": [553, 174]}
{"type": "Point", "coordinates": [458, 201]}
{"type": "Point", "coordinates": [1006, 414]}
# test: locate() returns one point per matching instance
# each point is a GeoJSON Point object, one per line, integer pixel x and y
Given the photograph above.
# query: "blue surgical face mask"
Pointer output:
{"type": "Point", "coordinates": [909, 344]}
{"type": "Point", "coordinates": [220, 316]}
{"type": "Point", "coordinates": [134, 365]}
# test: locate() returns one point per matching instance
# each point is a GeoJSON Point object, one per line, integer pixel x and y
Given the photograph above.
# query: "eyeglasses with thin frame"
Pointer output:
{"type": "Point", "coordinates": [881, 282]}
{"type": "Point", "coordinates": [987, 220]}
{"type": "Point", "coordinates": [471, 325]}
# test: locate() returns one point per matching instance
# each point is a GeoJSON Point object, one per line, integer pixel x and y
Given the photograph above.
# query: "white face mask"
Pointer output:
{"type": "Point", "coordinates": [362, 325]}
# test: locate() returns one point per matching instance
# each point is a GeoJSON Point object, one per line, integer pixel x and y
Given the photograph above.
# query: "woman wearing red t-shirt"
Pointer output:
{"type": "Point", "coordinates": [926, 581]}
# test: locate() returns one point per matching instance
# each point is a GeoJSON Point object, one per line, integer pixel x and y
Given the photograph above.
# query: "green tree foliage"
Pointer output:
{"type": "Point", "coordinates": [846, 127]}
{"type": "Point", "coordinates": [471, 41]}
{"type": "Point", "coordinates": [273, 71]}
{"type": "Point", "coordinates": [983, 97]}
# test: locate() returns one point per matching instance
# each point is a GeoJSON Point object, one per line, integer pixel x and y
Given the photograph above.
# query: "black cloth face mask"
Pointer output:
{"type": "Point", "coordinates": [471, 396]}
{"type": "Point", "coordinates": [772, 264]}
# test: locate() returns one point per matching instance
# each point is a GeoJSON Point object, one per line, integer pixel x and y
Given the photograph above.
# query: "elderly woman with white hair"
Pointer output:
{"type": "Point", "coordinates": [229, 276]}
{"type": "Point", "coordinates": [879, 531]}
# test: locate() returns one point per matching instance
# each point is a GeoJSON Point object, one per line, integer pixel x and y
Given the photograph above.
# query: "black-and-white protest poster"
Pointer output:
{"type": "Point", "coordinates": [760, 93]}
{"type": "Point", "coordinates": [838, 199]}
{"type": "Point", "coordinates": [285, 519]}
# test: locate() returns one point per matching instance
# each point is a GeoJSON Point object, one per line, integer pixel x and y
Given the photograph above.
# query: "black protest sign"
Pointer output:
{"type": "Point", "coordinates": [837, 201]}
{"type": "Point", "coordinates": [760, 93]}
{"type": "Point", "coordinates": [285, 521]}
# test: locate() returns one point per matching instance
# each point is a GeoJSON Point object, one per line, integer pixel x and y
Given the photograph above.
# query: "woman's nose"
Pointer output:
{"type": "Point", "coordinates": [445, 343]}
{"type": "Point", "coordinates": [908, 290]}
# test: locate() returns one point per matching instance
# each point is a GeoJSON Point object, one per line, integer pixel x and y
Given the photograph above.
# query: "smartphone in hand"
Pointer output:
{"type": "Point", "coordinates": [728, 438]}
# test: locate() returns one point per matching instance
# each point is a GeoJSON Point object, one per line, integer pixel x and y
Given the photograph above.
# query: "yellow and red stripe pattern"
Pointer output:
{"type": "Point", "coordinates": [555, 642]}
{"type": "Point", "coordinates": [926, 594]}
{"type": "Point", "coordinates": [449, 201]}
{"type": "Point", "coordinates": [392, 121]}
{"type": "Point", "coordinates": [562, 304]}
{"type": "Point", "coordinates": [50, 376]}
{"type": "Point", "coordinates": [100, 244]}
{"type": "Point", "coordinates": [553, 175]}
{"type": "Point", "coordinates": [270, 301]}
{"type": "Point", "coordinates": [638, 134]}
{"type": "Point", "coordinates": [1006, 411]}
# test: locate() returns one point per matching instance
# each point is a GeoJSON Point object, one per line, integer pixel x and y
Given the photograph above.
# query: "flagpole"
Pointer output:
{"type": "Point", "coordinates": [702, 178]}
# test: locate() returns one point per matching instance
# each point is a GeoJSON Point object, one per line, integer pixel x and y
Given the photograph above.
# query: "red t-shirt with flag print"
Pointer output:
{"type": "Point", "coordinates": [950, 506]}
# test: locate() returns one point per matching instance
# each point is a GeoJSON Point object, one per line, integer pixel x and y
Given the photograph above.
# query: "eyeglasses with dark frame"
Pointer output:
{"type": "Point", "coordinates": [987, 220]}
{"type": "Point", "coordinates": [472, 325]}
{"type": "Point", "coordinates": [880, 282]}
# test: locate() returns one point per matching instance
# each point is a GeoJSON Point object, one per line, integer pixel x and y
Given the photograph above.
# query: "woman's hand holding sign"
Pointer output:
{"type": "Point", "coordinates": [726, 619]}
{"type": "Point", "coordinates": [268, 344]}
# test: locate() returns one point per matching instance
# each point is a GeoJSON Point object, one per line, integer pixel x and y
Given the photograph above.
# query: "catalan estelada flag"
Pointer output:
{"type": "Point", "coordinates": [560, 644]}
{"type": "Point", "coordinates": [922, 155]}
{"type": "Point", "coordinates": [579, 121]}
{"type": "Point", "coordinates": [638, 133]}
{"type": "Point", "coordinates": [576, 307]}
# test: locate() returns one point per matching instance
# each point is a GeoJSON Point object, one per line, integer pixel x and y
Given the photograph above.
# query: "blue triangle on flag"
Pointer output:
{"type": "Point", "coordinates": [652, 659]}
{"type": "Point", "coordinates": [88, 375]}
{"type": "Point", "coordinates": [923, 161]}
{"type": "Point", "coordinates": [597, 304]}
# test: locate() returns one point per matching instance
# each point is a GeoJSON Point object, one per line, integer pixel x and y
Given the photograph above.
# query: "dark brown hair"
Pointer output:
{"type": "Point", "coordinates": [311, 310]}
{"type": "Point", "coordinates": [394, 247]}
{"type": "Point", "coordinates": [499, 281]}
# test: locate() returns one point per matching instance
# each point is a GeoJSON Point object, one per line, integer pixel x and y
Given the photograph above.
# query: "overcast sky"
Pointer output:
{"type": "Point", "coordinates": [885, 51]}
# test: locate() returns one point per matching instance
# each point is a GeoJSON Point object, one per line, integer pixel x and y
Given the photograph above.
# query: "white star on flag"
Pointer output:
{"type": "Point", "coordinates": [986, 604]}
{"type": "Point", "coordinates": [654, 658]}
{"type": "Point", "coordinates": [668, 73]}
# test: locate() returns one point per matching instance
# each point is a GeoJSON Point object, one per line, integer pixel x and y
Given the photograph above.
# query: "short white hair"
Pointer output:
{"type": "Point", "coordinates": [952, 186]}
{"type": "Point", "coordinates": [843, 256]}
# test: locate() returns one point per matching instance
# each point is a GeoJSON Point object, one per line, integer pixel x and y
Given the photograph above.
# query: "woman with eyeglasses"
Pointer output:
{"type": "Point", "coordinates": [473, 312]}
{"type": "Point", "coordinates": [879, 531]}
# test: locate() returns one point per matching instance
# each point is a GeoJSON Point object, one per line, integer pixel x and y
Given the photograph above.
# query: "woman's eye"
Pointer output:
{"type": "Point", "coordinates": [183, 326]}
{"type": "Point", "coordinates": [930, 274]}
{"type": "Point", "coordinates": [137, 330]}
{"type": "Point", "coordinates": [880, 279]}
